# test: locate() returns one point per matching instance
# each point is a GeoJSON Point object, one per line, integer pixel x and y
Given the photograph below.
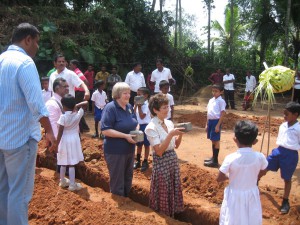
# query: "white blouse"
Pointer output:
{"type": "Point", "coordinates": [156, 133]}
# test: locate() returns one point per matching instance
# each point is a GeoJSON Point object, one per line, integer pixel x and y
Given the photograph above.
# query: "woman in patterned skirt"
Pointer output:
{"type": "Point", "coordinates": [165, 191]}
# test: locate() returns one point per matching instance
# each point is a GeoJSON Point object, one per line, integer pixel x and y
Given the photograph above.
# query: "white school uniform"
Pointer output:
{"type": "Point", "coordinates": [99, 99]}
{"type": "Point", "coordinates": [171, 103]}
{"type": "Point", "coordinates": [241, 204]}
{"type": "Point", "coordinates": [289, 137]}
{"type": "Point", "coordinates": [145, 110]}
{"type": "Point", "coordinates": [228, 86]}
{"type": "Point", "coordinates": [214, 108]}
{"type": "Point", "coordinates": [46, 95]}
{"type": "Point", "coordinates": [69, 148]}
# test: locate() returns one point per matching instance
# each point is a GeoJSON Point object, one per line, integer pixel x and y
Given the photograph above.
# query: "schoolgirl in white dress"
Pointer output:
{"type": "Point", "coordinates": [241, 204]}
{"type": "Point", "coordinates": [69, 147]}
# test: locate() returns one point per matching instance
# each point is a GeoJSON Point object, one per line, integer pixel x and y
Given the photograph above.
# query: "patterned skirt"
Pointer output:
{"type": "Point", "coordinates": [165, 190]}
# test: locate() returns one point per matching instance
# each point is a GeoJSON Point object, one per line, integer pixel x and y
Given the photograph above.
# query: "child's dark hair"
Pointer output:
{"type": "Point", "coordinates": [218, 86]}
{"type": "Point", "coordinates": [144, 90]}
{"type": "Point", "coordinates": [163, 83]}
{"type": "Point", "coordinates": [293, 107]}
{"type": "Point", "coordinates": [99, 83]}
{"type": "Point", "coordinates": [68, 101]}
{"type": "Point", "coordinates": [75, 62]}
{"type": "Point", "coordinates": [245, 132]}
{"type": "Point", "coordinates": [44, 78]}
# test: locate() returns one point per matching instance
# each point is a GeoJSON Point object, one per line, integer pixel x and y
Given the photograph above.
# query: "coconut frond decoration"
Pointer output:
{"type": "Point", "coordinates": [272, 80]}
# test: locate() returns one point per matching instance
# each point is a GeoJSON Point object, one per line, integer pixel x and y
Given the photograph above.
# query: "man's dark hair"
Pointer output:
{"type": "Point", "coordinates": [22, 31]}
{"type": "Point", "coordinates": [245, 132]}
{"type": "Point", "coordinates": [74, 62]}
{"type": "Point", "coordinates": [136, 64]}
{"type": "Point", "coordinates": [163, 83]}
{"type": "Point", "coordinates": [58, 56]}
{"type": "Point", "coordinates": [114, 67]}
{"type": "Point", "coordinates": [218, 86]}
{"type": "Point", "coordinates": [159, 61]}
{"type": "Point", "coordinates": [68, 101]}
{"type": "Point", "coordinates": [57, 82]}
{"type": "Point", "coordinates": [293, 107]}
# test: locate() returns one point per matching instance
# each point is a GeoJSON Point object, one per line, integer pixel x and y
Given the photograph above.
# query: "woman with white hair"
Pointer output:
{"type": "Point", "coordinates": [118, 119]}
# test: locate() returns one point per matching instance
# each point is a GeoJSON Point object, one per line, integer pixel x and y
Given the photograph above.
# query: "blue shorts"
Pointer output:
{"type": "Point", "coordinates": [211, 134]}
{"type": "Point", "coordinates": [145, 142]}
{"type": "Point", "coordinates": [98, 114]}
{"type": "Point", "coordinates": [285, 159]}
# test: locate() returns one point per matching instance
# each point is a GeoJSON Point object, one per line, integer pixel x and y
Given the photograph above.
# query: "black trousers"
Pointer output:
{"type": "Point", "coordinates": [229, 98]}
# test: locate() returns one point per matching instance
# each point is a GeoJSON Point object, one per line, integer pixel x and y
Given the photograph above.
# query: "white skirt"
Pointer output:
{"type": "Point", "coordinates": [69, 149]}
{"type": "Point", "coordinates": [241, 207]}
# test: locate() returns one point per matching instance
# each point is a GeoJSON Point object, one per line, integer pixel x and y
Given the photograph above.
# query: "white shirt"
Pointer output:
{"type": "Point", "coordinates": [214, 108]}
{"type": "Point", "coordinates": [46, 95]}
{"type": "Point", "coordinates": [171, 103]}
{"type": "Point", "coordinates": [99, 99]}
{"type": "Point", "coordinates": [145, 110]}
{"type": "Point", "coordinates": [250, 83]}
{"type": "Point", "coordinates": [289, 137]}
{"type": "Point", "coordinates": [158, 76]}
{"type": "Point", "coordinates": [297, 83]}
{"type": "Point", "coordinates": [228, 86]}
{"type": "Point", "coordinates": [135, 80]}
{"type": "Point", "coordinates": [156, 133]}
{"type": "Point", "coordinates": [54, 108]}
{"type": "Point", "coordinates": [72, 79]}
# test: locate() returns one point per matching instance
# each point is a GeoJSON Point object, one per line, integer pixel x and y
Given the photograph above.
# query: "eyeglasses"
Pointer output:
{"type": "Point", "coordinates": [164, 107]}
{"type": "Point", "coordinates": [64, 86]}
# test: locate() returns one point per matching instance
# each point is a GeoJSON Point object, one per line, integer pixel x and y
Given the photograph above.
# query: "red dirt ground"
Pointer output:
{"type": "Point", "coordinates": [202, 194]}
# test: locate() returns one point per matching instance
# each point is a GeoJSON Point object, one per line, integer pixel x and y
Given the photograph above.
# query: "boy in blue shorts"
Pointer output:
{"type": "Point", "coordinates": [285, 156]}
{"type": "Point", "coordinates": [215, 114]}
{"type": "Point", "coordinates": [99, 100]}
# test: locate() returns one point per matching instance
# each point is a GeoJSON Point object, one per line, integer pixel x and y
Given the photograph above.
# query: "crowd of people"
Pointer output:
{"type": "Point", "coordinates": [60, 107]}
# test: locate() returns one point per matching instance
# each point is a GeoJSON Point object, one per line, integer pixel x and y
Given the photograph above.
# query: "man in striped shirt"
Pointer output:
{"type": "Point", "coordinates": [22, 108]}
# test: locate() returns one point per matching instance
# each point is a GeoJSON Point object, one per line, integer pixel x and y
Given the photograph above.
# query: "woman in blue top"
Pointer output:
{"type": "Point", "coordinates": [118, 119]}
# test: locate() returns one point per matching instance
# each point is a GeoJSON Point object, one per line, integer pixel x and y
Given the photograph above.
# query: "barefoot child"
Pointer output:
{"type": "Point", "coordinates": [69, 146]}
{"type": "Point", "coordinates": [215, 114]}
{"type": "Point", "coordinates": [285, 156]}
{"type": "Point", "coordinates": [241, 204]}
{"type": "Point", "coordinates": [144, 117]}
{"type": "Point", "coordinates": [99, 99]}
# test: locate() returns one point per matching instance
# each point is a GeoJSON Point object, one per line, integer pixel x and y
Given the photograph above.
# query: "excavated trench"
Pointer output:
{"type": "Point", "coordinates": [192, 213]}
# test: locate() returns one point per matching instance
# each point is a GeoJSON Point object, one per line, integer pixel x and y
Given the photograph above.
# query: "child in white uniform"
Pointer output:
{"type": "Point", "coordinates": [143, 116]}
{"type": "Point", "coordinates": [241, 204]}
{"type": "Point", "coordinates": [285, 156]}
{"type": "Point", "coordinates": [69, 146]}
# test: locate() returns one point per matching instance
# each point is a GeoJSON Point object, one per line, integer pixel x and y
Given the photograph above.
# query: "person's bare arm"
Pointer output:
{"type": "Point", "coordinates": [59, 135]}
{"type": "Point", "coordinates": [86, 90]}
{"type": "Point", "coordinates": [117, 134]}
{"type": "Point", "coordinates": [45, 122]}
{"type": "Point", "coordinates": [161, 148]}
{"type": "Point", "coordinates": [222, 177]}
{"type": "Point", "coordinates": [217, 128]}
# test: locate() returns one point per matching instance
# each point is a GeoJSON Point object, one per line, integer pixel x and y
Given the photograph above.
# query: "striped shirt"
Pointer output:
{"type": "Point", "coordinates": [22, 104]}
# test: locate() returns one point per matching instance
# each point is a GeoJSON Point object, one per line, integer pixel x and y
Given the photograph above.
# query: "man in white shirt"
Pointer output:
{"type": "Point", "coordinates": [250, 86]}
{"type": "Point", "coordinates": [161, 73]}
{"type": "Point", "coordinates": [72, 79]}
{"type": "Point", "coordinates": [228, 81]}
{"type": "Point", "coordinates": [135, 79]}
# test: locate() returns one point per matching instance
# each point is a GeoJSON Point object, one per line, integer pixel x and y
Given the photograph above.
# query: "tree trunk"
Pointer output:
{"type": "Point", "coordinates": [231, 32]}
{"type": "Point", "coordinates": [153, 5]}
{"type": "Point", "coordinates": [176, 25]}
{"type": "Point", "coordinates": [286, 31]}
{"type": "Point", "coordinates": [180, 24]}
{"type": "Point", "coordinates": [208, 27]}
